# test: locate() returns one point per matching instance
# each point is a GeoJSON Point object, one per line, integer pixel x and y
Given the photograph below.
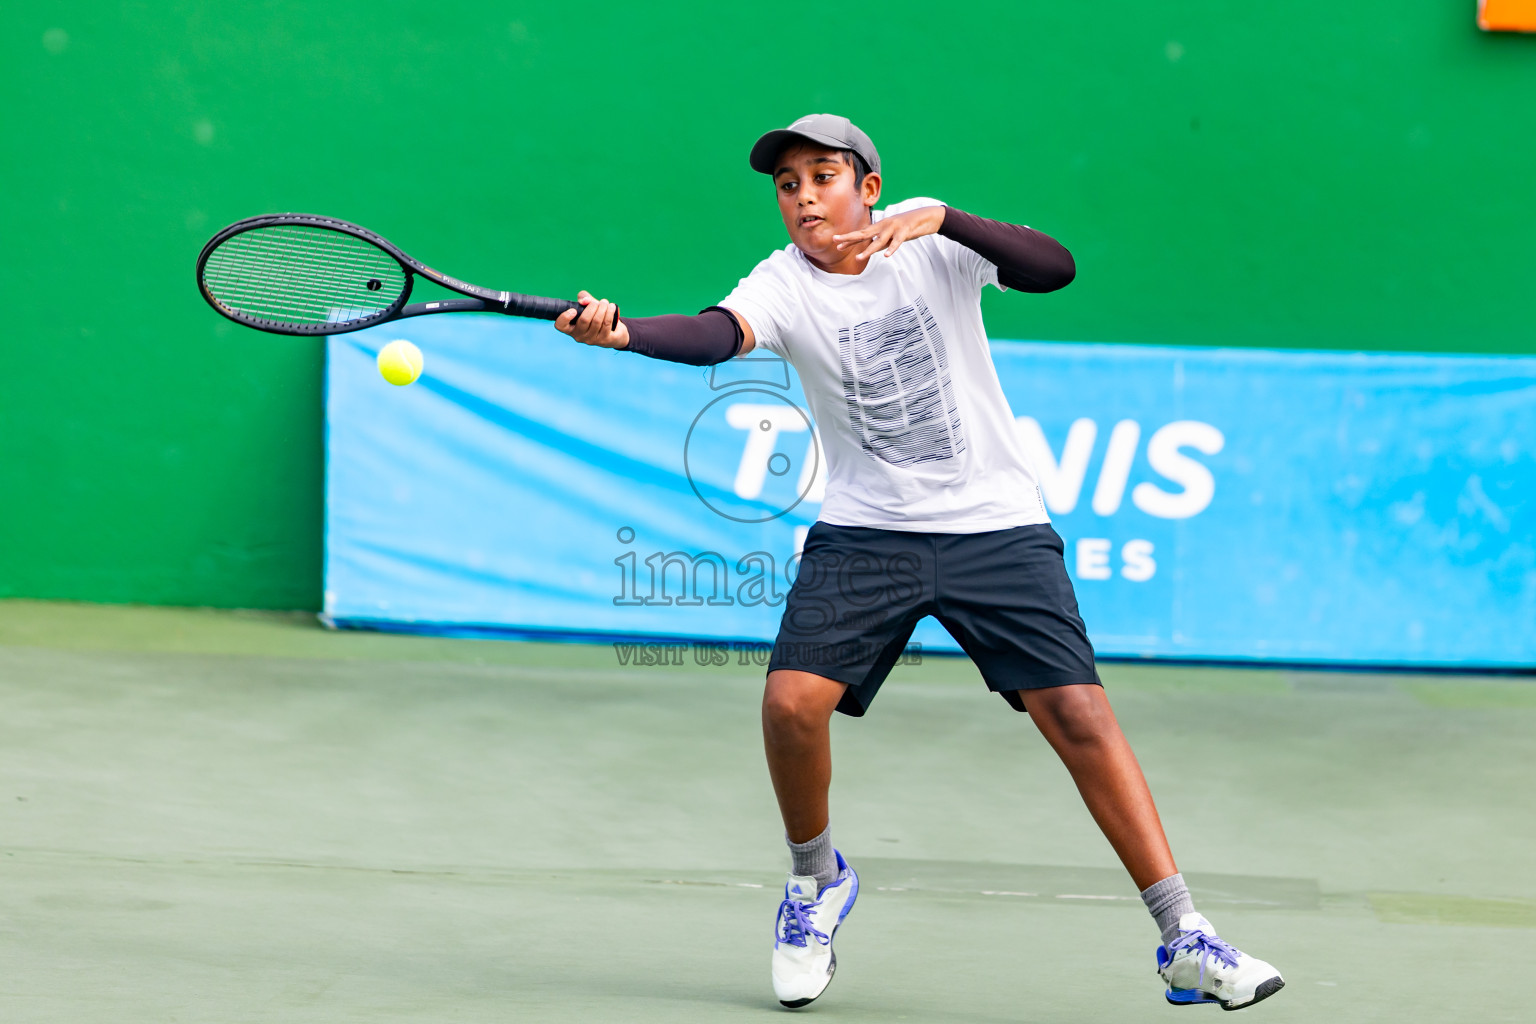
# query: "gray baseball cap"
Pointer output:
{"type": "Point", "coordinates": [824, 129]}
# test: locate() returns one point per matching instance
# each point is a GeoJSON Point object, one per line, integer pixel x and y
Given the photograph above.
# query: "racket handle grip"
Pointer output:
{"type": "Point", "coordinates": [578, 307]}
{"type": "Point", "coordinates": [541, 308]}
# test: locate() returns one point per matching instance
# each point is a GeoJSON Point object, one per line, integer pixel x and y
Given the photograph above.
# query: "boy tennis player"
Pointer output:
{"type": "Point", "coordinates": [931, 509]}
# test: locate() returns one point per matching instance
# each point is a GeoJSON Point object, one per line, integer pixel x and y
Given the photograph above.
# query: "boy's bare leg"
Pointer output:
{"type": "Point", "coordinates": [821, 887]}
{"type": "Point", "coordinates": [797, 712]}
{"type": "Point", "coordinates": [1078, 723]}
{"type": "Point", "coordinates": [1197, 967]}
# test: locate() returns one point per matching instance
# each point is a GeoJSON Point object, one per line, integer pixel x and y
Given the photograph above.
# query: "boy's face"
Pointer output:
{"type": "Point", "coordinates": [819, 198]}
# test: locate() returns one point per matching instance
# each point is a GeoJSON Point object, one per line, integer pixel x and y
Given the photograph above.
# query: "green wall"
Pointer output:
{"type": "Point", "coordinates": [1308, 174]}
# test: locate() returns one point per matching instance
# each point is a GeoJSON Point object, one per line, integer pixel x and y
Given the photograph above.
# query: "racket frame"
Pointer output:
{"type": "Point", "coordinates": [479, 300]}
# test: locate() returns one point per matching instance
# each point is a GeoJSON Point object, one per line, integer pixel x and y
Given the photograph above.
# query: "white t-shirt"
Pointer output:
{"type": "Point", "coordinates": [894, 361]}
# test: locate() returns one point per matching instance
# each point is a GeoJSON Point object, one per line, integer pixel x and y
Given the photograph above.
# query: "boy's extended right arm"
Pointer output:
{"type": "Point", "coordinates": [713, 336]}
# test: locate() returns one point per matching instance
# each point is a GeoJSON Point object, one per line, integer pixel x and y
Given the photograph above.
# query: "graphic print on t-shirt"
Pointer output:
{"type": "Point", "coordinates": [896, 383]}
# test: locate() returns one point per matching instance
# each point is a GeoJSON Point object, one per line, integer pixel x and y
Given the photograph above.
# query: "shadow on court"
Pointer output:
{"type": "Point", "coordinates": [239, 817]}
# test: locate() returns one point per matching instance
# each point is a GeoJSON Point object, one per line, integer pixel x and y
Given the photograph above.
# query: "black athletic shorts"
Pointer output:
{"type": "Point", "coordinates": [1004, 596]}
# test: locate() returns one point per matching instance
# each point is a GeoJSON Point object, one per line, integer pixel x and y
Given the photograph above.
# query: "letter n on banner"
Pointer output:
{"type": "Point", "coordinates": [1506, 15]}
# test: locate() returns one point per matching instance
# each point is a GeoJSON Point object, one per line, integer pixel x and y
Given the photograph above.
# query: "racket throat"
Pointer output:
{"type": "Point", "coordinates": [451, 306]}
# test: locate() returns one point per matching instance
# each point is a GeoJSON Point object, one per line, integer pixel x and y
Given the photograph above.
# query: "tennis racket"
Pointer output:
{"type": "Point", "coordinates": [294, 273]}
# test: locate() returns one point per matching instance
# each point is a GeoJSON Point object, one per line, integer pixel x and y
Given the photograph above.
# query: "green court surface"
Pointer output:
{"type": "Point", "coordinates": [215, 816]}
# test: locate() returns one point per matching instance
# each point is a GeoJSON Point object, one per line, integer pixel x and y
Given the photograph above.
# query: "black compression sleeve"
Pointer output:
{"type": "Point", "coordinates": [1027, 260]}
{"type": "Point", "coordinates": [711, 337]}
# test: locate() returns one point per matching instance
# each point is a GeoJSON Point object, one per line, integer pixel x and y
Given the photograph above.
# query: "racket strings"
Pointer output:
{"type": "Point", "coordinates": [303, 275]}
{"type": "Point", "coordinates": [297, 274]}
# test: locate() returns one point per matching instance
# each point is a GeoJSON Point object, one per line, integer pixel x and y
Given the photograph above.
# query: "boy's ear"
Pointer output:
{"type": "Point", "coordinates": [869, 189]}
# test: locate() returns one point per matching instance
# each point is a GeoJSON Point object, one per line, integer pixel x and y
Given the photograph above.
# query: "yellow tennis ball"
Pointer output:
{"type": "Point", "coordinates": [400, 362]}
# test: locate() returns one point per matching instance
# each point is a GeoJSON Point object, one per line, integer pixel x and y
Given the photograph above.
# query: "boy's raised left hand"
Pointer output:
{"type": "Point", "coordinates": [887, 235]}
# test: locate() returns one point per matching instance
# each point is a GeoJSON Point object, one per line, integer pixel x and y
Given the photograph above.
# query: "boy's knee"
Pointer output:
{"type": "Point", "coordinates": [1078, 714]}
{"type": "Point", "coordinates": [794, 705]}
{"type": "Point", "coordinates": [784, 710]}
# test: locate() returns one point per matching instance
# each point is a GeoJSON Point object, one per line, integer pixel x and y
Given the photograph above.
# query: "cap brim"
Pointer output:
{"type": "Point", "coordinates": [771, 145]}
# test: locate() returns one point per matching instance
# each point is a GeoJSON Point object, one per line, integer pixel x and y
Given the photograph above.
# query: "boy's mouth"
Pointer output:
{"type": "Point", "coordinates": [810, 220]}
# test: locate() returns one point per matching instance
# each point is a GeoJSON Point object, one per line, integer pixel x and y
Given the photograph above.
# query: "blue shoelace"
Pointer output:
{"type": "Point", "coordinates": [1207, 945]}
{"type": "Point", "coordinates": [794, 924]}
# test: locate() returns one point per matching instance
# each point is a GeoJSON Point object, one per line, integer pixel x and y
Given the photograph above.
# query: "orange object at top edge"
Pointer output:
{"type": "Point", "coordinates": [1506, 15]}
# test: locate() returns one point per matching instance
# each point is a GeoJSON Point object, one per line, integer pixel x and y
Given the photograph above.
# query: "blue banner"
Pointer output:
{"type": "Point", "coordinates": [1216, 504]}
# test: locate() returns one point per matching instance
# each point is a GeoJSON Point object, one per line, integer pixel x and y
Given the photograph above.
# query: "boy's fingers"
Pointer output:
{"type": "Point", "coordinates": [582, 296]}
{"type": "Point", "coordinates": [600, 318]}
{"type": "Point", "coordinates": [592, 323]}
{"type": "Point", "coordinates": [844, 241]}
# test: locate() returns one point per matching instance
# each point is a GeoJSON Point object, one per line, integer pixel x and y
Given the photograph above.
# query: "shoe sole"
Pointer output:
{"type": "Point", "coordinates": [1193, 997]}
{"type": "Point", "coordinates": [1264, 991]}
{"type": "Point", "coordinates": [795, 1004]}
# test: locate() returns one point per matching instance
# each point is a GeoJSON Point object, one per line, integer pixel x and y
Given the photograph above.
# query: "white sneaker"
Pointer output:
{"type": "Point", "coordinates": [803, 960]}
{"type": "Point", "coordinates": [1200, 968]}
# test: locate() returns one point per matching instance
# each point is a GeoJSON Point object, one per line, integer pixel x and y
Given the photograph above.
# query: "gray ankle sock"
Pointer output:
{"type": "Point", "coordinates": [817, 858]}
{"type": "Point", "coordinates": [1168, 901]}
